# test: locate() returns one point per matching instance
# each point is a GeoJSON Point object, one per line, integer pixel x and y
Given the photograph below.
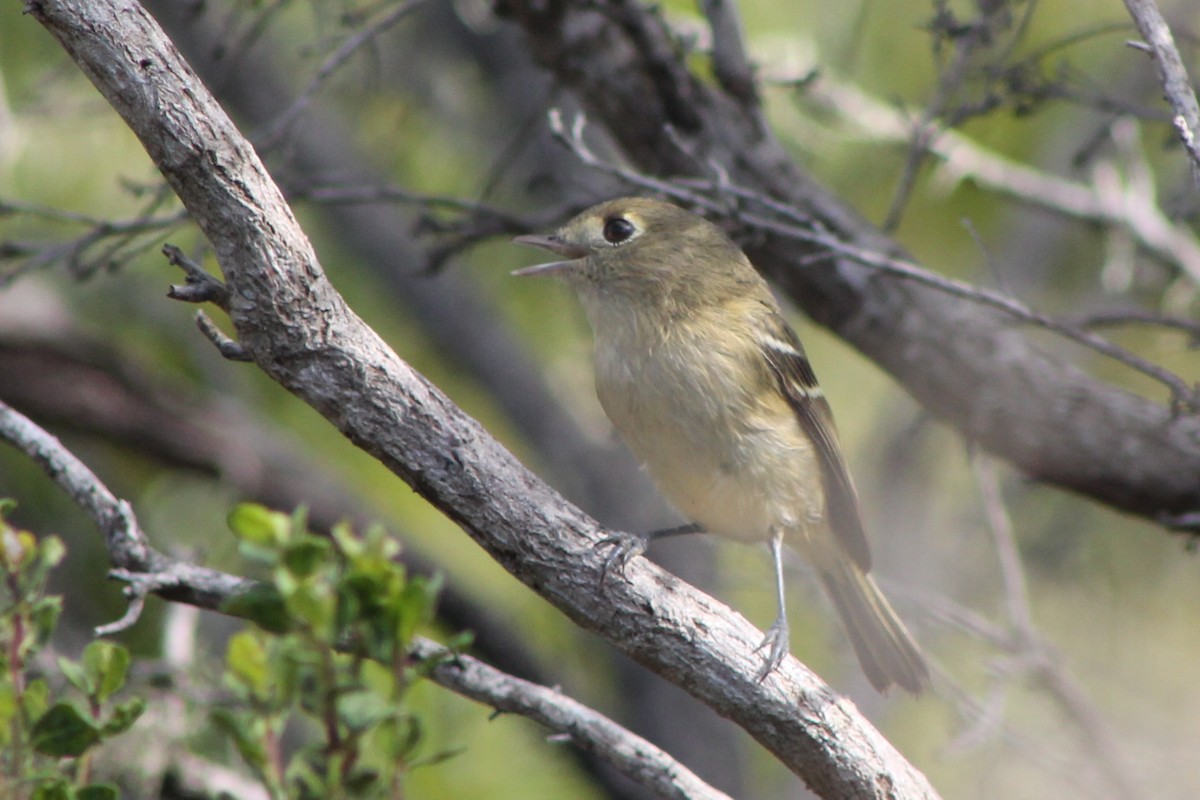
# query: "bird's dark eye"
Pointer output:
{"type": "Point", "coordinates": [618, 230]}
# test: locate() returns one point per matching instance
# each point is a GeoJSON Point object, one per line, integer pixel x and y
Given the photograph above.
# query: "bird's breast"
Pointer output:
{"type": "Point", "coordinates": [721, 446]}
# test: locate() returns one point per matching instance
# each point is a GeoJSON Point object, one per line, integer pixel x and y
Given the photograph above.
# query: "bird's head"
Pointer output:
{"type": "Point", "coordinates": [646, 251]}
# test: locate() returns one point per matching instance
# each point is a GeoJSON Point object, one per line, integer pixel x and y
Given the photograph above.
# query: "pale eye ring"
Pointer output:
{"type": "Point", "coordinates": [618, 230]}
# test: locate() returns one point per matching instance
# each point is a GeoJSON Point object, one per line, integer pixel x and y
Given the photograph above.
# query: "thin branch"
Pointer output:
{"type": "Point", "coordinates": [200, 286]}
{"type": "Point", "coordinates": [121, 238]}
{"type": "Point", "coordinates": [1176, 84]}
{"type": "Point", "coordinates": [1033, 652]}
{"type": "Point", "coordinates": [635, 757]}
{"type": "Point", "coordinates": [226, 346]}
{"type": "Point", "coordinates": [1116, 317]}
{"type": "Point", "coordinates": [374, 28]}
{"type": "Point", "coordinates": [1119, 203]}
{"type": "Point", "coordinates": [632, 755]}
{"type": "Point", "coordinates": [128, 548]}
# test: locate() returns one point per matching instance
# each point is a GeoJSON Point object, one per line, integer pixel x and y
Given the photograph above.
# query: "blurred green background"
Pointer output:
{"type": "Point", "coordinates": [447, 104]}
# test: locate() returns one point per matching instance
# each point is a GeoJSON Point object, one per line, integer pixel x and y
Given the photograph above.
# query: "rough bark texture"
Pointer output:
{"type": "Point", "coordinates": [298, 329]}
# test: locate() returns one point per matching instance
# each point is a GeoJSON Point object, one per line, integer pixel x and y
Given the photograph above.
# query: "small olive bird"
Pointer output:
{"type": "Point", "coordinates": [711, 390]}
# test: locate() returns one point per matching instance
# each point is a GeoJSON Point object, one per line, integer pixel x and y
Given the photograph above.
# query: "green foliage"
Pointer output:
{"type": "Point", "coordinates": [40, 732]}
{"type": "Point", "coordinates": [335, 621]}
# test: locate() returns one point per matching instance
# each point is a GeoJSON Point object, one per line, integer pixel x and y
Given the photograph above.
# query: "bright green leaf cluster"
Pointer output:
{"type": "Point", "coordinates": [38, 731]}
{"type": "Point", "coordinates": [335, 622]}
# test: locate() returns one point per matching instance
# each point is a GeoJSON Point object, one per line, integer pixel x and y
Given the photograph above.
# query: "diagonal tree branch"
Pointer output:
{"type": "Point", "coordinates": [300, 332]}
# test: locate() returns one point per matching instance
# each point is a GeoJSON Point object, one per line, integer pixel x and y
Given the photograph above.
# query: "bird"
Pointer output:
{"type": "Point", "coordinates": [710, 388]}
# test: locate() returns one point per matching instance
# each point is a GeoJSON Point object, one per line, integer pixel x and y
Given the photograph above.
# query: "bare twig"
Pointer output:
{"type": "Point", "coordinates": [1033, 653]}
{"type": "Point", "coordinates": [200, 286]}
{"type": "Point", "coordinates": [226, 346]}
{"type": "Point", "coordinates": [587, 729]}
{"type": "Point", "coordinates": [374, 28]}
{"type": "Point", "coordinates": [1111, 318]}
{"type": "Point", "coordinates": [120, 238]}
{"type": "Point", "coordinates": [1177, 86]}
{"type": "Point", "coordinates": [1120, 202]}
{"type": "Point", "coordinates": [129, 550]}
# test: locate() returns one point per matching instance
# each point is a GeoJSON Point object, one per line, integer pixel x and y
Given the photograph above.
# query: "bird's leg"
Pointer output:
{"type": "Point", "coordinates": [626, 546]}
{"type": "Point", "coordinates": [776, 642]}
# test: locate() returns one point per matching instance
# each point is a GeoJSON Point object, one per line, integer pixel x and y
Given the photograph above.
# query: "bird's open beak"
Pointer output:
{"type": "Point", "coordinates": [555, 245]}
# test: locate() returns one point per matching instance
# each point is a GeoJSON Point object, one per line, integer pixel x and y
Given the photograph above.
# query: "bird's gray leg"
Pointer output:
{"type": "Point", "coordinates": [776, 642]}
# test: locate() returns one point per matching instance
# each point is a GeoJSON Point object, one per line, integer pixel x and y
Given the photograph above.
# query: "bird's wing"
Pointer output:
{"type": "Point", "coordinates": [799, 385]}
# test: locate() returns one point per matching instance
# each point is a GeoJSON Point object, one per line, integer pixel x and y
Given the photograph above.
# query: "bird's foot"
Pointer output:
{"type": "Point", "coordinates": [623, 548]}
{"type": "Point", "coordinates": [776, 643]}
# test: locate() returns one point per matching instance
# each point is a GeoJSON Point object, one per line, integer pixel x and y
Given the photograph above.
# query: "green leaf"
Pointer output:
{"type": "Point", "coordinates": [246, 659]}
{"type": "Point", "coordinates": [362, 782]}
{"type": "Point", "coordinates": [43, 615]}
{"type": "Point", "coordinates": [258, 525]}
{"type": "Point", "coordinates": [51, 552]}
{"type": "Point", "coordinates": [313, 604]}
{"type": "Point", "coordinates": [76, 675]}
{"type": "Point", "coordinates": [262, 605]}
{"type": "Point", "coordinates": [97, 791]}
{"type": "Point", "coordinates": [306, 556]}
{"type": "Point", "coordinates": [36, 698]}
{"type": "Point", "coordinates": [416, 604]}
{"type": "Point", "coordinates": [123, 716]}
{"type": "Point", "coordinates": [63, 731]}
{"type": "Point", "coordinates": [57, 789]}
{"type": "Point", "coordinates": [7, 504]}
{"type": "Point", "coordinates": [362, 710]}
{"type": "Point", "coordinates": [347, 543]}
{"type": "Point", "coordinates": [246, 735]}
{"type": "Point", "coordinates": [107, 664]}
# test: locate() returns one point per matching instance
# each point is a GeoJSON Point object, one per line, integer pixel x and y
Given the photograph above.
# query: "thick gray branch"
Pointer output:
{"type": "Point", "coordinates": [964, 363]}
{"type": "Point", "coordinates": [299, 330]}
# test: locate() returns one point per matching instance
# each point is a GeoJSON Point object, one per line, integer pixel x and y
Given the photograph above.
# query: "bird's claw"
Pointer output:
{"type": "Point", "coordinates": [624, 547]}
{"type": "Point", "coordinates": [776, 645]}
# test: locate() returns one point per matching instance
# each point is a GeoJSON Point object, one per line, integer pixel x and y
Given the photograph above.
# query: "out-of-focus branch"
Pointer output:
{"type": "Point", "coordinates": [301, 333]}
{"type": "Point", "coordinates": [148, 571]}
{"type": "Point", "coordinates": [1033, 655]}
{"type": "Point", "coordinates": [730, 62]}
{"type": "Point", "coordinates": [105, 244]}
{"type": "Point", "coordinates": [1127, 204]}
{"type": "Point", "coordinates": [375, 27]}
{"type": "Point", "coordinates": [1177, 86]}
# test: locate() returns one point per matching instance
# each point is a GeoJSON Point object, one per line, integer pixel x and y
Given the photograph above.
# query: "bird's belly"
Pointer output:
{"type": "Point", "coordinates": [740, 470]}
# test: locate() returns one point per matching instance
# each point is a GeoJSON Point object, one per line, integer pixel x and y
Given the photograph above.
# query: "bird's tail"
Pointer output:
{"type": "Point", "coordinates": [884, 646]}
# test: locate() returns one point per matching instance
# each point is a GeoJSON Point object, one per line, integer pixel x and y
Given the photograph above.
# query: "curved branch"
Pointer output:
{"type": "Point", "coordinates": [300, 332]}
